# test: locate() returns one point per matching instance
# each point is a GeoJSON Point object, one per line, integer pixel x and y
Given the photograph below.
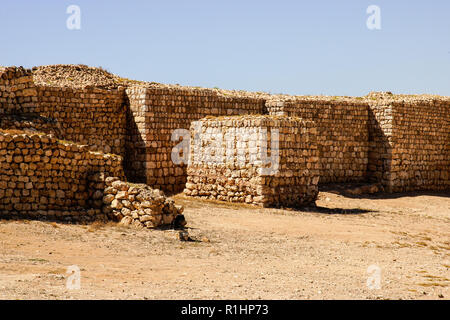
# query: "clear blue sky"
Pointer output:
{"type": "Point", "coordinates": [295, 47]}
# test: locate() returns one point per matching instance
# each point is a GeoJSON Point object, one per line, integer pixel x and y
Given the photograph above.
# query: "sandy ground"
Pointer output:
{"type": "Point", "coordinates": [242, 252]}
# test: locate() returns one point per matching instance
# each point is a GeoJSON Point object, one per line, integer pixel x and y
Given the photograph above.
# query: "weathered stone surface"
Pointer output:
{"type": "Point", "coordinates": [246, 167]}
{"type": "Point", "coordinates": [410, 148]}
{"type": "Point", "coordinates": [52, 176]}
{"type": "Point", "coordinates": [141, 205]}
{"type": "Point", "coordinates": [342, 131]}
{"type": "Point", "coordinates": [159, 110]}
{"type": "Point", "coordinates": [398, 142]}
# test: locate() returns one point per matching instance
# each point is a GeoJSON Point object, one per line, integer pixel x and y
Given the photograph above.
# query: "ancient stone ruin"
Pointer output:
{"type": "Point", "coordinates": [78, 143]}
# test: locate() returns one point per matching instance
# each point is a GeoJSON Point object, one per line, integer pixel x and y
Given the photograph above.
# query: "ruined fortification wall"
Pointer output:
{"type": "Point", "coordinates": [400, 141]}
{"type": "Point", "coordinates": [31, 123]}
{"type": "Point", "coordinates": [343, 140]}
{"type": "Point", "coordinates": [157, 112]}
{"type": "Point", "coordinates": [359, 138]}
{"type": "Point", "coordinates": [41, 176]}
{"type": "Point", "coordinates": [235, 159]}
{"type": "Point", "coordinates": [135, 147]}
{"type": "Point", "coordinates": [44, 177]}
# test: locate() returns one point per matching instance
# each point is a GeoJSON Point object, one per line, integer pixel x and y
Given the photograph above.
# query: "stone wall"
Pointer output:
{"type": "Point", "coordinates": [400, 141]}
{"type": "Point", "coordinates": [156, 112]}
{"type": "Point", "coordinates": [235, 159]}
{"type": "Point", "coordinates": [380, 144]}
{"type": "Point", "coordinates": [342, 125]}
{"type": "Point", "coordinates": [90, 116]}
{"type": "Point", "coordinates": [137, 130]}
{"type": "Point", "coordinates": [17, 91]}
{"type": "Point", "coordinates": [414, 151]}
{"type": "Point", "coordinates": [41, 176]}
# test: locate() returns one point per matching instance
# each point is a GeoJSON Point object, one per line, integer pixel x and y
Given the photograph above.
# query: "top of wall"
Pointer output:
{"type": "Point", "coordinates": [385, 98]}
{"type": "Point", "coordinates": [82, 76]}
{"type": "Point", "coordinates": [373, 98]}
{"type": "Point", "coordinates": [73, 76]}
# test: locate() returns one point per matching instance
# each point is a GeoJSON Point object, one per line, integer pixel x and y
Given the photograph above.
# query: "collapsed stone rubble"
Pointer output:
{"type": "Point", "coordinates": [139, 204]}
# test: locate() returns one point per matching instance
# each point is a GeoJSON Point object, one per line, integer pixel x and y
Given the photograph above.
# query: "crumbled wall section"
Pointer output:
{"type": "Point", "coordinates": [240, 153]}
{"type": "Point", "coordinates": [157, 113]}
{"type": "Point", "coordinates": [380, 144]}
{"type": "Point", "coordinates": [140, 205]}
{"type": "Point", "coordinates": [44, 177]}
{"type": "Point", "coordinates": [342, 126]}
{"type": "Point", "coordinates": [31, 123]}
{"type": "Point", "coordinates": [91, 116]}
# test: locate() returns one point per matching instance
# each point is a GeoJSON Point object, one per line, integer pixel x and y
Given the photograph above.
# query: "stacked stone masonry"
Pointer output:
{"type": "Point", "coordinates": [399, 141]}
{"type": "Point", "coordinates": [140, 205]}
{"type": "Point", "coordinates": [158, 114]}
{"type": "Point", "coordinates": [380, 143]}
{"type": "Point", "coordinates": [414, 148]}
{"type": "Point", "coordinates": [31, 123]}
{"type": "Point", "coordinates": [18, 94]}
{"type": "Point", "coordinates": [262, 160]}
{"type": "Point", "coordinates": [342, 130]}
{"type": "Point", "coordinates": [42, 176]}
{"type": "Point", "coordinates": [94, 117]}
{"type": "Point", "coordinates": [91, 116]}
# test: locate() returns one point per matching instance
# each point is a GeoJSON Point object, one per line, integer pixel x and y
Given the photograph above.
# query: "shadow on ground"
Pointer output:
{"type": "Point", "coordinates": [345, 189]}
{"type": "Point", "coordinates": [325, 210]}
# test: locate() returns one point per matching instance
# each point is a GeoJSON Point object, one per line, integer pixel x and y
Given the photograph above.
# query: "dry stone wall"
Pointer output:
{"type": "Point", "coordinates": [400, 141]}
{"type": "Point", "coordinates": [137, 130]}
{"type": "Point", "coordinates": [90, 116]}
{"type": "Point", "coordinates": [41, 176]}
{"type": "Point", "coordinates": [262, 160]}
{"type": "Point", "coordinates": [419, 152]}
{"type": "Point", "coordinates": [18, 94]}
{"type": "Point", "coordinates": [342, 133]}
{"type": "Point", "coordinates": [157, 112]}
{"type": "Point", "coordinates": [44, 177]}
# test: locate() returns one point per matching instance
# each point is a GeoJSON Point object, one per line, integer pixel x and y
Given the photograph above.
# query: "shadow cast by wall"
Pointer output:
{"type": "Point", "coordinates": [135, 151]}
{"type": "Point", "coordinates": [333, 211]}
{"type": "Point", "coordinates": [344, 191]}
{"type": "Point", "coordinates": [380, 149]}
{"type": "Point", "coordinates": [396, 195]}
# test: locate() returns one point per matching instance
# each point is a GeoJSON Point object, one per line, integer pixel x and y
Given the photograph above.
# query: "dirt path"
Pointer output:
{"type": "Point", "coordinates": [241, 253]}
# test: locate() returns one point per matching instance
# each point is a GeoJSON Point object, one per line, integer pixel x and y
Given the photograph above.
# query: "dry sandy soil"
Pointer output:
{"type": "Point", "coordinates": [241, 252]}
